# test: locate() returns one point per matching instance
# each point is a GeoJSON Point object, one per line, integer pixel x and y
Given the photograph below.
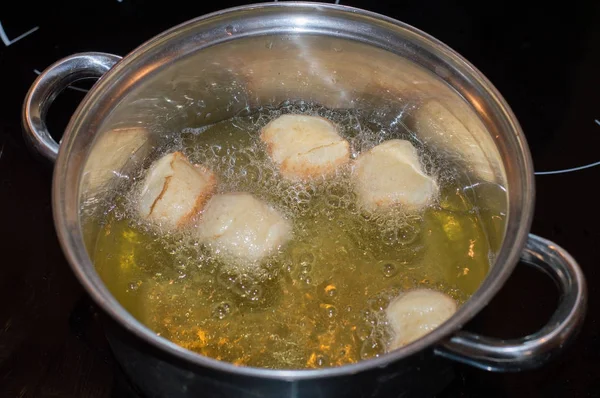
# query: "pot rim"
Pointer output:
{"type": "Point", "coordinates": [66, 217]}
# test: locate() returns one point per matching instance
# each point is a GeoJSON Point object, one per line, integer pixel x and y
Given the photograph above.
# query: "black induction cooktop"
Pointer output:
{"type": "Point", "coordinates": [544, 58]}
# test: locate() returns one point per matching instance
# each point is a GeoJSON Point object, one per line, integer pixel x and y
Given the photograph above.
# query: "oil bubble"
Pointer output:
{"type": "Point", "coordinates": [389, 269]}
{"type": "Point", "coordinates": [334, 202]}
{"type": "Point", "coordinates": [306, 259]}
{"type": "Point", "coordinates": [226, 280]}
{"type": "Point", "coordinates": [363, 332]}
{"type": "Point", "coordinates": [254, 293]}
{"type": "Point", "coordinates": [251, 172]}
{"type": "Point", "coordinates": [330, 310]}
{"type": "Point", "coordinates": [379, 303]}
{"type": "Point", "coordinates": [221, 310]}
{"type": "Point", "coordinates": [407, 234]}
{"type": "Point", "coordinates": [372, 348]}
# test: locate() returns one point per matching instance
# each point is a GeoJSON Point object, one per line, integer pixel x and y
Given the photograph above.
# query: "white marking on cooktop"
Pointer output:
{"type": "Point", "coordinates": [7, 42]}
{"type": "Point", "coordinates": [2, 150]}
{"type": "Point", "coordinates": [587, 166]}
{"type": "Point", "coordinates": [83, 90]}
{"type": "Point", "coordinates": [337, 1]}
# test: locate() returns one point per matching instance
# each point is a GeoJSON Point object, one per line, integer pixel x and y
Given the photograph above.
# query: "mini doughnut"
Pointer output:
{"type": "Point", "coordinates": [174, 191]}
{"type": "Point", "coordinates": [390, 175]}
{"type": "Point", "coordinates": [242, 227]}
{"type": "Point", "coordinates": [305, 147]}
{"type": "Point", "coordinates": [414, 314]}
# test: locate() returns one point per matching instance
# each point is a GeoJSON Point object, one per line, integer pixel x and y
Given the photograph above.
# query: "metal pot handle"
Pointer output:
{"type": "Point", "coordinates": [48, 85]}
{"type": "Point", "coordinates": [534, 350]}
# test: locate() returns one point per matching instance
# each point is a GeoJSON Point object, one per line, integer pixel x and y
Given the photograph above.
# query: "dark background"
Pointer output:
{"type": "Point", "coordinates": [544, 58]}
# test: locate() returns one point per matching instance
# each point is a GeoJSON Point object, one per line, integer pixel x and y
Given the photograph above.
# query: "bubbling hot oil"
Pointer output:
{"type": "Point", "coordinates": [320, 301]}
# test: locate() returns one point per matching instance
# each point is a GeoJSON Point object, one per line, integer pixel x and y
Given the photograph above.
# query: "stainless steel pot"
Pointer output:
{"type": "Point", "coordinates": [212, 67]}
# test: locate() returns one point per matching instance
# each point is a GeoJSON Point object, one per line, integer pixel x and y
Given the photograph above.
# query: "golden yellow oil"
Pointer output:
{"type": "Point", "coordinates": [320, 300]}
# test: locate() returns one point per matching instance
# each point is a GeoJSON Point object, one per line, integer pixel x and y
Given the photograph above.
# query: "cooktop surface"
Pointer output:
{"type": "Point", "coordinates": [544, 58]}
